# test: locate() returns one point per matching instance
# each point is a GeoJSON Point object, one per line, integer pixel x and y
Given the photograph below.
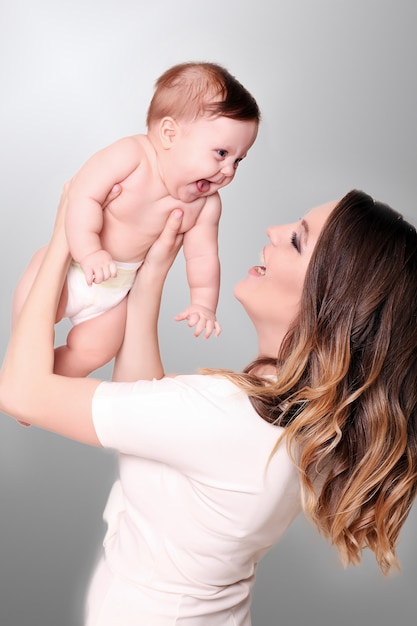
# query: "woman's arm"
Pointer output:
{"type": "Point", "coordinates": [29, 390]}
{"type": "Point", "coordinates": [139, 356]}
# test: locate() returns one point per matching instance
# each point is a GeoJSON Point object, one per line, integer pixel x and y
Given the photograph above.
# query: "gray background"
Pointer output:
{"type": "Point", "coordinates": [336, 82]}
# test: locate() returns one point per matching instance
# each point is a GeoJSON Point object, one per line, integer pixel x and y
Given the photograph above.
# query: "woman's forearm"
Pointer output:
{"type": "Point", "coordinates": [30, 355]}
{"type": "Point", "coordinates": [139, 356]}
{"type": "Point", "coordinates": [29, 390]}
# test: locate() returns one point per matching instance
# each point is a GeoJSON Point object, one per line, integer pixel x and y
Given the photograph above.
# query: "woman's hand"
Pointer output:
{"type": "Point", "coordinates": [139, 356]}
{"type": "Point", "coordinates": [113, 193]}
{"type": "Point", "coordinates": [163, 251]}
{"type": "Point", "coordinates": [63, 203]}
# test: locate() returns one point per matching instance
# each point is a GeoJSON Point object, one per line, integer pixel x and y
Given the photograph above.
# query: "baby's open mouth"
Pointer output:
{"type": "Point", "coordinates": [203, 185]}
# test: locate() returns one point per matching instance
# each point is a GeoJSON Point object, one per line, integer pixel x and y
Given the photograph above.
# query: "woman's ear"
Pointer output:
{"type": "Point", "coordinates": [168, 130]}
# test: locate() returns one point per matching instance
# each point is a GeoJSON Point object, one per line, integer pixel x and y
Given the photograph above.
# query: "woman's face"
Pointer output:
{"type": "Point", "coordinates": [271, 292]}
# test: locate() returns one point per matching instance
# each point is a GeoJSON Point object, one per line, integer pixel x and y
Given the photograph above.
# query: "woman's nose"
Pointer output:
{"type": "Point", "coordinates": [273, 234]}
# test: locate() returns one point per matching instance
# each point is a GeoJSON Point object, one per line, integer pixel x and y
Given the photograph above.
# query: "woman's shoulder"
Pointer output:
{"type": "Point", "coordinates": [205, 381]}
{"type": "Point", "coordinates": [176, 384]}
{"type": "Point", "coordinates": [172, 382]}
{"type": "Point", "coordinates": [208, 392]}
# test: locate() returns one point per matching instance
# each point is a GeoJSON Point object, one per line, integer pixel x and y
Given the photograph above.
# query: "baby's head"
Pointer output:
{"type": "Point", "coordinates": [202, 122]}
{"type": "Point", "coordinates": [191, 90]}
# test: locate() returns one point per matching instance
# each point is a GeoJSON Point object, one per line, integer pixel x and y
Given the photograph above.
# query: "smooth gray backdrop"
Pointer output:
{"type": "Point", "coordinates": [336, 82]}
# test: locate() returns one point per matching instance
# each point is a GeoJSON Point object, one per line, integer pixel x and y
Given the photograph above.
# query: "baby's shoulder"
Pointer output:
{"type": "Point", "coordinates": [131, 143]}
{"type": "Point", "coordinates": [211, 210]}
{"type": "Point", "coordinates": [132, 153]}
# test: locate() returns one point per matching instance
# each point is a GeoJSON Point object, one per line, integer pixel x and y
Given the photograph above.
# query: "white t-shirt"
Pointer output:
{"type": "Point", "coordinates": [197, 504]}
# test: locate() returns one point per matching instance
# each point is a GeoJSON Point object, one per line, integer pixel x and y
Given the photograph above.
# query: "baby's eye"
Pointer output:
{"type": "Point", "coordinates": [222, 153]}
{"type": "Point", "coordinates": [236, 163]}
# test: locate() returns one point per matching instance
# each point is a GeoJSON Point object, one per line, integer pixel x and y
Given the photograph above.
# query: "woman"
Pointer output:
{"type": "Point", "coordinates": [215, 467]}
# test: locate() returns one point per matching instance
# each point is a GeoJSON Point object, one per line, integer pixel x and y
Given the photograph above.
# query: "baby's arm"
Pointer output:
{"type": "Point", "coordinates": [87, 192]}
{"type": "Point", "coordinates": [203, 270]}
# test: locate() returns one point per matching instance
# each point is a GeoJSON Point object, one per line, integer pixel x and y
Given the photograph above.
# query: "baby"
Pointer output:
{"type": "Point", "coordinates": [201, 123]}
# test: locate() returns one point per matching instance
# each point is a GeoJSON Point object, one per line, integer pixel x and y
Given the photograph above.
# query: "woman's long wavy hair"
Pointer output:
{"type": "Point", "coordinates": [346, 387]}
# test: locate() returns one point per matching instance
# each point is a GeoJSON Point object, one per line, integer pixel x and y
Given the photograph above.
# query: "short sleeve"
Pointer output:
{"type": "Point", "coordinates": [189, 422]}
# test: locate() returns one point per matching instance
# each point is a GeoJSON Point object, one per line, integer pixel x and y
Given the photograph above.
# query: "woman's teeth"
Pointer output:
{"type": "Point", "coordinates": [261, 269]}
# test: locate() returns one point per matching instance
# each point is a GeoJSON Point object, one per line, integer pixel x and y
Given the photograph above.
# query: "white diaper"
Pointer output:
{"type": "Point", "coordinates": [88, 301]}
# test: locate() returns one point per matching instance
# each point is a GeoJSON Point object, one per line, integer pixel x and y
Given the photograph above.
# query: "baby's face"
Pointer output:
{"type": "Point", "coordinates": [204, 155]}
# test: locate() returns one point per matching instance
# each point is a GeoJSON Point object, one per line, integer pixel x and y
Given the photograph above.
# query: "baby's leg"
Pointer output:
{"type": "Point", "coordinates": [25, 283]}
{"type": "Point", "coordinates": [92, 343]}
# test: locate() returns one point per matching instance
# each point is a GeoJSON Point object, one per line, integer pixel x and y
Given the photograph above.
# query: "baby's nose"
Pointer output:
{"type": "Point", "coordinates": [228, 169]}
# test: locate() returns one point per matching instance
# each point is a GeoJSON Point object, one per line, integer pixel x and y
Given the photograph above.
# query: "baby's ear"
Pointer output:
{"type": "Point", "coordinates": [167, 131]}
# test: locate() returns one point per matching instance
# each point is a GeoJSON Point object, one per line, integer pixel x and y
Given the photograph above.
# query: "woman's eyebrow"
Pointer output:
{"type": "Point", "coordinates": [305, 225]}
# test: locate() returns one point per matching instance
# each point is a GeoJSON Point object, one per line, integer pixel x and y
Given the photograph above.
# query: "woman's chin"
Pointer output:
{"type": "Point", "coordinates": [242, 286]}
{"type": "Point", "coordinates": [237, 291]}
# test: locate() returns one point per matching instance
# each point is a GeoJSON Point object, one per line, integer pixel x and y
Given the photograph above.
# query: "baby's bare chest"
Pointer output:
{"type": "Point", "coordinates": [132, 224]}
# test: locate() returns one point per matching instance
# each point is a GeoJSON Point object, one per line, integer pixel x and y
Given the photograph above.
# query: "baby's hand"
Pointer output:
{"type": "Point", "coordinates": [202, 318]}
{"type": "Point", "coordinates": [98, 266]}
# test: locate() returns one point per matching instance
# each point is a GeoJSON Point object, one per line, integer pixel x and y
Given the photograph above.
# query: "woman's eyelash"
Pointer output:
{"type": "Point", "coordinates": [294, 242]}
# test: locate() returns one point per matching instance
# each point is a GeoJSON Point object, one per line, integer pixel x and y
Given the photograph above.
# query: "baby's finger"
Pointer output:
{"type": "Point", "coordinates": [98, 275]}
{"type": "Point", "coordinates": [109, 271]}
{"type": "Point", "coordinates": [209, 328]}
{"type": "Point", "coordinates": [90, 276]}
{"type": "Point", "coordinates": [112, 270]}
{"type": "Point", "coordinates": [193, 319]}
{"type": "Point", "coordinates": [203, 325]}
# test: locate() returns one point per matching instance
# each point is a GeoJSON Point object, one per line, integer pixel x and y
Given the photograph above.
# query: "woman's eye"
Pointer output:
{"type": "Point", "coordinates": [222, 153]}
{"type": "Point", "coordinates": [294, 242]}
